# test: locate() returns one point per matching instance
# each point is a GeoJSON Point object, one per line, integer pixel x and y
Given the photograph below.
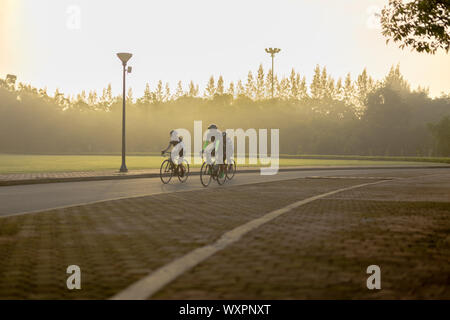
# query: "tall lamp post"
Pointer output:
{"type": "Point", "coordinates": [272, 52]}
{"type": "Point", "coordinates": [124, 57]}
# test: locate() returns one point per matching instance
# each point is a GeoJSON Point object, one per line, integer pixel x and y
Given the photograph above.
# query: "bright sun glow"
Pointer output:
{"type": "Point", "coordinates": [72, 44]}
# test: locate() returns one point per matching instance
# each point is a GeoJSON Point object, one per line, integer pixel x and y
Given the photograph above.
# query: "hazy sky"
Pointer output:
{"type": "Point", "coordinates": [72, 44]}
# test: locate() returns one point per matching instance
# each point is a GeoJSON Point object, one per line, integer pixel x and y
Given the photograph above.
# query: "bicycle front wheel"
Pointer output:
{"type": "Point", "coordinates": [166, 172]}
{"type": "Point", "coordinates": [205, 174]}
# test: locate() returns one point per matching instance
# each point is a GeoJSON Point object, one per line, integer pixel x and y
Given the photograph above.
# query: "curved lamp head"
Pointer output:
{"type": "Point", "coordinates": [273, 51]}
{"type": "Point", "coordinates": [124, 57]}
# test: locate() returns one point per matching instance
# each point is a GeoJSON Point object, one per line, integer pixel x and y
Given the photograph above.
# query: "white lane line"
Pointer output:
{"type": "Point", "coordinates": [146, 287]}
{"type": "Point", "coordinates": [352, 177]}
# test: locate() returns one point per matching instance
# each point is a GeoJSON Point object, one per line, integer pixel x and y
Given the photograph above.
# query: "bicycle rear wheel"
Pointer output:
{"type": "Point", "coordinates": [186, 166]}
{"type": "Point", "coordinates": [205, 174]}
{"type": "Point", "coordinates": [183, 172]}
{"type": "Point", "coordinates": [221, 175]}
{"type": "Point", "coordinates": [166, 171]}
{"type": "Point", "coordinates": [231, 170]}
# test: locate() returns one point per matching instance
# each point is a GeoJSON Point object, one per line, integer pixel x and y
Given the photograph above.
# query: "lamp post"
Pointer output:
{"type": "Point", "coordinates": [272, 52]}
{"type": "Point", "coordinates": [124, 57]}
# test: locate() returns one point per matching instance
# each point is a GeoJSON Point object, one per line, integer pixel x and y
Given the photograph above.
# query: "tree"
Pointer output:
{"type": "Point", "coordinates": [240, 89]}
{"type": "Point", "coordinates": [324, 84]}
{"type": "Point", "coordinates": [159, 92]}
{"type": "Point", "coordinates": [441, 134]}
{"type": "Point", "coordinates": [363, 88]}
{"type": "Point", "coordinates": [395, 80]}
{"type": "Point", "coordinates": [349, 90]}
{"type": "Point", "coordinates": [250, 86]}
{"type": "Point", "coordinates": [80, 103]}
{"type": "Point", "coordinates": [284, 89]}
{"type": "Point", "coordinates": [147, 97]}
{"type": "Point", "coordinates": [167, 95]}
{"type": "Point", "coordinates": [316, 84]}
{"type": "Point", "coordinates": [59, 97]}
{"type": "Point", "coordinates": [260, 89]}
{"type": "Point", "coordinates": [423, 25]}
{"type": "Point", "coordinates": [387, 118]}
{"type": "Point", "coordinates": [179, 93]}
{"type": "Point", "coordinates": [394, 121]}
{"type": "Point", "coordinates": [276, 86]}
{"type": "Point", "coordinates": [193, 89]}
{"type": "Point", "coordinates": [130, 96]}
{"type": "Point", "coordinates": [268, 83]}
{"type": "Point", "coordinates": [330, 88]}
{"type": "Point", "coordinates": [339, 90]}
{"type": "Point", "coordinates": [231, 89]}
{"type": "Point", "coordinates": [210, 89]}
{"type": "Point", "coordinates": [220, 90]}
{"type": "Point", "coordinates": [302, 88]}
{"type": "Point", "coordinates": [92, 98]}
{"type": "Point", "coordinates": [293, 84]}
{"type": "Point", "coordinates": [43, 93]}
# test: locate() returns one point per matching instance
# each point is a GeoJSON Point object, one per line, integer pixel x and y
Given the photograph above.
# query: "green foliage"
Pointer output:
{"type": "Point", "coordinates": [330, 117]}
{"type": "Point", "coordinates": [423, 25]}
{"type": "Point", "coordinates": [441, 133]}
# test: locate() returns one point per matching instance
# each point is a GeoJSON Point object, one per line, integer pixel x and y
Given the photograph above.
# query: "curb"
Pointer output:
{"type": "Point", "coordinates": [195, 173]}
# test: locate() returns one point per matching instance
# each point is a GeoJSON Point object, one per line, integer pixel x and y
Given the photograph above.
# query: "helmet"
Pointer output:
{"type": "Point", "coordinates": [212, 126]}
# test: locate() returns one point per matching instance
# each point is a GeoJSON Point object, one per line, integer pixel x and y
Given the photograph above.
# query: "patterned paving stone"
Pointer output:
{"type": "Point", "coordinates": [118, 242]}
{"type": "Point", "coordinates": [321, 250]}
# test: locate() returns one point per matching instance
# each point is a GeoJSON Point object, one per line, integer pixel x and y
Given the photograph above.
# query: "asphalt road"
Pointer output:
{"type": "Point", "coordinates": [32, 198]}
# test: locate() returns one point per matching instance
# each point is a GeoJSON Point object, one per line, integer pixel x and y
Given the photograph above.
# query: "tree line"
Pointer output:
{"type": "Point", "coordinates": [359, 116]}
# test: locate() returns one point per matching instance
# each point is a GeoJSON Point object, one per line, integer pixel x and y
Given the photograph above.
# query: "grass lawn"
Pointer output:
{"type": "Point", "coordinates": [10, 163]}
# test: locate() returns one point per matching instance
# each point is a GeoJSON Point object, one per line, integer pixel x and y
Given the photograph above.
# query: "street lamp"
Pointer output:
{"type": "Point", "coordinates": [272, 52]}
{"type": "Point", "coordinates": [124, 57]}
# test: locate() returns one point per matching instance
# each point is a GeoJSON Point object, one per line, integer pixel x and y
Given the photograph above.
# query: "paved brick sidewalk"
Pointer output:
{"type": "Point", "coordinates": [322, 250]}
{"type": "Point", "coordinates": [118, 242]}
{"type": "Point", "coordinates": [319, 250]}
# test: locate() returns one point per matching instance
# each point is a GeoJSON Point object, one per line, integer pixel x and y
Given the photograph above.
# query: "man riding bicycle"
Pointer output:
{"type": "Point", "coordinates": [213, 146]}
{"type": "Point", "coordinates": [178, 148]}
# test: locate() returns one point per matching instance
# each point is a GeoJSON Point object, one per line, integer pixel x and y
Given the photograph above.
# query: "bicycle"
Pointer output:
{"type": "Point", "coordinates": [212, 171]}
{"type": "Point", "coordinates": [169, 168]}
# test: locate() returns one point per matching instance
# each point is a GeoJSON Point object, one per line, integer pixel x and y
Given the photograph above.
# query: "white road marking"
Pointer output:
{"type": "Point", "coordinates": [146, 287]}
{"type": "Point", "coordinates": [350, 177]}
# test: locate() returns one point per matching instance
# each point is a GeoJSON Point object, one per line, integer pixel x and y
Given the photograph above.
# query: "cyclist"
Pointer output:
{"type": "Point", "coordinates": [211, 146]}
{"type": "Point", "coordinates": [228, 148]}
{"type": "Point", "coordinates": [178, 148]}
